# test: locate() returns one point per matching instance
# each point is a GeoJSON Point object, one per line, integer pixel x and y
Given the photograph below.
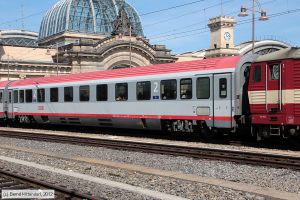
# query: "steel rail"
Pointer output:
{"type": "Point", "coordinates": [242, 157]}
{"type": "Point", "coordinates": [11, 180]}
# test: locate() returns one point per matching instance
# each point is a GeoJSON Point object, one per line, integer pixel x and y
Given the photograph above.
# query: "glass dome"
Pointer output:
{"type": "Point", "coordinates": [87, 16]}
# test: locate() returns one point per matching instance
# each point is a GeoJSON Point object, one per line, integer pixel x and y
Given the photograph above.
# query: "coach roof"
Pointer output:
{"type": "Point", "coordinates": [288, 53]}
{"type": "Point", "coordinates": [171, 68]}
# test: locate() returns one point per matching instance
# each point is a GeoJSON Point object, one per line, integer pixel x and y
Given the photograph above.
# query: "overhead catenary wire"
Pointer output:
{"type": "Point", "coordinates": [205, 30]}
{"type": "Point", "coordinates": [241, 22]}
{"type": "Point", "coordinates": [238, 24]}
{"type": "Point", "coordinates": [171, 8]}
{"type": "Point", "coordinates": [186, 14]}
{"type": "Point", "coordinates": [143, 14]}
{"type": "Point", "coordinates": [162, 34]}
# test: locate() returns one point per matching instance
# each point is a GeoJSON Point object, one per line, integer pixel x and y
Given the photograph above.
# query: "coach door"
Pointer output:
{"type": "Point", "coordinates": [10, 104]}
{"type": "Point", "coordinates": [222, 100]}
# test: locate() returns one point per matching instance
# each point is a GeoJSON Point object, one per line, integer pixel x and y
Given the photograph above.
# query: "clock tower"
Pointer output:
{"type": "Point", "coordinates": [222, 37]}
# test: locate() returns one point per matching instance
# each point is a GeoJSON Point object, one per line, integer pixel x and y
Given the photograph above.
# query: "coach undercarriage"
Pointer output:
{"type": "Point", "coordinates": [266, 131]}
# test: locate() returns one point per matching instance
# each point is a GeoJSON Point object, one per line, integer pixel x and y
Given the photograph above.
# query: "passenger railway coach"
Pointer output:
{"type": "Point", "coordinates": [226, 94]}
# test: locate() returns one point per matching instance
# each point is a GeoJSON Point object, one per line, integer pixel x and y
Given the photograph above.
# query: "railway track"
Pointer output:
{"type": "Point", "coordinates": [243, 157]}
{"type": "Point", "coordinates": [14, 181]}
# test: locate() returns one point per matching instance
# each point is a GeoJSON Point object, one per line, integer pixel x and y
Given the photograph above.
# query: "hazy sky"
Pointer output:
{"type": "Point", "coordinates": [182, 29]}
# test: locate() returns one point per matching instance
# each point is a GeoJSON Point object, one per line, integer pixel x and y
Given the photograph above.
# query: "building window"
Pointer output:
{"type": "Point", "coordinates": [102, 93]}
{"type": "Point", "coordinates": [227, 46]}
{"type": "Point", "coordinates": [215, 45]}
{"type": "Point", "coordinates": [28, 96]}
{"type": "Point", "coordinates": [274, 69]}
{"type": "Point", "coordinates": [1, 97]}
{"type": "Point", "coordinates": [257, 74]}
{"type": "Point", "coordinates": [168, 89]}
{"type": "Point", "coordinates": [121, 92]}
{"type": "Point", "coordinates": [68, 94]}
{"type": "Point", "coordinates": [84, 93]}
{"type": "Point", "coordinates": [41, 95]}
{"type": "Point", "coordinates": [143, 90]}
{"type": "Point", "coordinates": [16, 96]}
{"type": "Point", "coordinates": [223, 88]}
{"type": "Point", "coordinates": [21, 96]}
{"type": "Point", "coordinates": [186, 88]}
{"type": "Point", "coordinates": [203, 88]}
{"type": "Point", "coordinates": [53, 94]}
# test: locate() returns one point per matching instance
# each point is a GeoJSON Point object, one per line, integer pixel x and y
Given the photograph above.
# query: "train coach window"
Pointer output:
{"type": "Point", "coordinates": [21, 96]}
{"type": "Point", "coordinates": [203, 88]}
{"type": "Point", "coordinates": [102, 93]}
{"type": "Point", "coordinates": [16, 96]}
{"type": "Point", "coordinates": [223, 87]}
{"type": "Point", "coordinates": [143, 90]}
{"type": "Point", "coordinates": [53, 94]}
{"type": "Point", "coordinates": [121, 92]}
{"type": "Point", "coordinates": [1, 97]}
{"type": "Point", "coordinates": [68, 96]}
{"type": "Point", "coordinates": [84, 93]}
{"type": "Point", "coordinates": [41, 95]}
{"type": "Point", "coordinates": [9, 96]}
{"type": "Point", "coordinates": [168, 89]}
{"type": "Point", "coordinates": [257, 74]}
{"type": "Point", "coordinates": [28, 96]}
{"type": "Point", "coordinates": [186, 89]}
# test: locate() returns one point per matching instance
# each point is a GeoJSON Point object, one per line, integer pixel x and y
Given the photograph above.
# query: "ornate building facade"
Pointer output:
{"type": "Point", "coordinates": [99, 35]}
{"type": "Point", "coordinates": [78, 36]}
{"type": "Point", "coordinates": [20, 57]}
{"type": "Point", "coordinates": [222, 42]}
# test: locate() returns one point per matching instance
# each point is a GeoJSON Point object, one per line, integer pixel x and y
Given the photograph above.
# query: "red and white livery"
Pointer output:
{"type": "Point", "coordinates": [218, 95]}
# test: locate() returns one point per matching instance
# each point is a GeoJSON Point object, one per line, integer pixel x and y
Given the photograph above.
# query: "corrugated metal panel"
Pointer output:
{"type": "Point", "coordinates": [258, 97]}
{"type": "Point", "coordinates": [297, 96]}
{"type": "Point", "coordinates": [296, 77]}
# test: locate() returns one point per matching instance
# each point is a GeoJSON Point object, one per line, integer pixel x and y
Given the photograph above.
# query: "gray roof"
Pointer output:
{"type": "Point", "coordinates": [18, 38]}
{"type": "Point", "coordinates": [291, 53]}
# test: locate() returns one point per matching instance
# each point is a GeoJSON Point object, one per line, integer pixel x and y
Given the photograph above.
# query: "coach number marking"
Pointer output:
{"type": "Point", "coordinates": [155, 87]}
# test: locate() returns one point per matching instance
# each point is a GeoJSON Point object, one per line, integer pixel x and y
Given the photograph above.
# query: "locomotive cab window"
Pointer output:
{"type": "Point", "coordinates": [53, 94]}
{"type": "Point", "coordinates": [102, 93]}
{"type": "Point", "coordinates": [121, 92]}
{"type": "Point", "coordinates": [1, 97]}
{"type": "Point", "coordinates": [28, 96]}
{"type": "Point", "coordinates": [68, 94]}
{"type": "Point", "coordinates": [41, 95]}
{"type": "Point", "coordinates": [203, 88]}
{"type": "Point", "coordinates": [223, 88]}
{"type": "Point", "coordinates": [21, 96]}
{"type": "Point", "coordinates": [274, 72]}
{"type": "Point", "coordinates": [143, 90]}
{"type": "Point", "coordinates": [168, 89]}
{"type": "Point", "coordinates": [16, 98]}
{"type": "Point", "coordinates": [186, 89]}
{"type": "Point", "coordinates": [257, 74]}
{"type": "Point", "coordinates": [84, 93]}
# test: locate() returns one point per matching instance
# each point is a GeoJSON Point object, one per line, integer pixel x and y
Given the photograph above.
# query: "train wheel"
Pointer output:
{"type": "Point", "coordinates": [258, 133]}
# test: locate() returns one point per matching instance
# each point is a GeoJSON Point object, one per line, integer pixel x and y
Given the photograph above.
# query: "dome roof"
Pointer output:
{"type": "Point", "coordinates": [87, 16]}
